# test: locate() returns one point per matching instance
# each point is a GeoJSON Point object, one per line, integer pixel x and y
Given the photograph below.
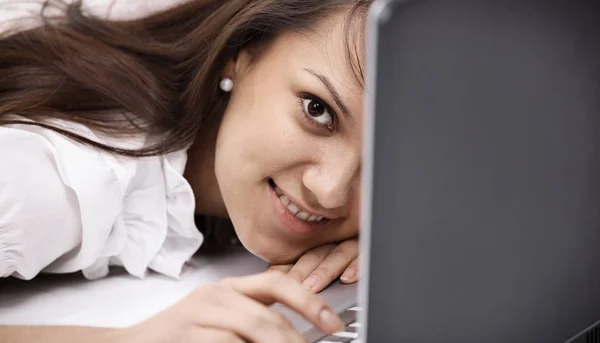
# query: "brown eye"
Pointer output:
{"type": "Point", "coordinates": [317, 111]}
{"type": "Point", "coordinates": [315, 108]}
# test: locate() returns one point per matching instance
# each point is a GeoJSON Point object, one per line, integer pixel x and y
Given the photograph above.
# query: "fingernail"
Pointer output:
{"type": "Point", "coordinates": [310, 282]}
{"type": "Point", "coordinates": [330, 321]}
{"type": "Point", "coordinates": [348, 275]}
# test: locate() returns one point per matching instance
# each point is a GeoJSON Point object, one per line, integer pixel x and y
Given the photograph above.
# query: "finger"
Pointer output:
{"type": "Point", "coordinates": [351, 273]}
{"type": "Point", "coordinates": [334, 264]}
{"type": "Point", "coordinates": [310, 261]}
{"type": "Point", "coordinates": [278, 287]}
{"type": "Point", "coordinates": [284, 268]}
{"type": "Point", "coordinates": [202, 334]}
{"type": "Point", "coordinates": [225, 309]}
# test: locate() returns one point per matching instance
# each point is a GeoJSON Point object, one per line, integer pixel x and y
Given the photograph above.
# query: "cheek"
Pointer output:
{"type": "Point", "coordinates": [263, 143]}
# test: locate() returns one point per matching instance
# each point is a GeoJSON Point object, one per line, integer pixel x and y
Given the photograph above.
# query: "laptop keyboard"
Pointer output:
{"type": "Point", "coordinates": [350, 332]}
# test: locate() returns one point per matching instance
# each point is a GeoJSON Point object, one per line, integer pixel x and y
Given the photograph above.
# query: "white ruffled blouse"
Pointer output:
{"type": "Point", "coordinates": [66, 207]}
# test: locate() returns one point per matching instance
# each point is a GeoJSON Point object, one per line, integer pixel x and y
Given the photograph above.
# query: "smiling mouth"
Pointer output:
{"type": "Point", "coordinates": [293, 209]}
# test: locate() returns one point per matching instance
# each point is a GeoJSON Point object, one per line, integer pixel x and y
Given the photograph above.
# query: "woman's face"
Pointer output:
{"type": "Point", "coordinates": [288, 151]}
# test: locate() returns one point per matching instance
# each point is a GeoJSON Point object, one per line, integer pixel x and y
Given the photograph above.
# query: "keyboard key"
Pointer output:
{"type": "Point", "coordinates": [346, 334]}
{"type": "Point", "coordinates": [335, 339]}
{"type": "Point", "coordinates": [348, 317]}
{"type": "Point", "coordinates": [350, 329]}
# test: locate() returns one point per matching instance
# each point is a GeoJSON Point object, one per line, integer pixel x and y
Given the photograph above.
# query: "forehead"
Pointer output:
{"type": "Point", "coordinates": [340, 40]}
{"type": "Point", "coordinates": [332, 48]}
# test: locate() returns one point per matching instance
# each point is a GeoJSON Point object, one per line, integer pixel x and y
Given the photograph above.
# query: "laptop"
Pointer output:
{"type": "Point", "coordinates": [481, 182]}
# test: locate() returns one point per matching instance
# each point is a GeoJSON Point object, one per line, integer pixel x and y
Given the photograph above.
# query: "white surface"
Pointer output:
{"type": "Point", "coordinates": [116, 301]}
{"type": "Point", "coordinates": [122, 300]}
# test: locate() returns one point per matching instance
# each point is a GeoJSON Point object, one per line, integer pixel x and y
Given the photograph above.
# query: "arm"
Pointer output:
{"type": "Point", "coordinates": [232, 310]}
{"type": "Point", "coordinates": [58, 334]}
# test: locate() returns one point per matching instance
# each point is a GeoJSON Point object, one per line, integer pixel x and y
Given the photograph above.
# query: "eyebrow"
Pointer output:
{"type": "Point", "coordinates": [332, 91]}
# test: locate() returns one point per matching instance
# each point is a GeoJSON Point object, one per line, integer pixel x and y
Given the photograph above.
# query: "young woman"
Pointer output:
{"type": "Point", "coordinates": [115, 134]}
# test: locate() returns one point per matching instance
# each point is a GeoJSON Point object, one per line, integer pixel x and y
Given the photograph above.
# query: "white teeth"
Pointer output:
{"type": "Point", "coordinates": [284, 200]}
{"type": "Point", "coordinates": [302, 216]}
{"type": "Point", "coordinates": [294, 209]}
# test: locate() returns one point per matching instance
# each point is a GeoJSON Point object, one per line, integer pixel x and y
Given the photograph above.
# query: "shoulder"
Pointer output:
{"type": "Point", "coordinates": [52, 190]}
{"type": "Point", "coordinates": [30, 155]}
{"type": "Point", "coordinates": [96, 207]}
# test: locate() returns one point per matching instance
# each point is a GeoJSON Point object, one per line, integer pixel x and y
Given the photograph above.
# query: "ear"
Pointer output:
{"type": "Point", "coordinates": [238, 66]}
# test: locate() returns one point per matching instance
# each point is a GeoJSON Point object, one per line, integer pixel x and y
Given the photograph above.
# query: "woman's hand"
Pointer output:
{"type": "Point", "coordinates": [236, 311]}
{"type": "Point", "coordinates": [320, 266]}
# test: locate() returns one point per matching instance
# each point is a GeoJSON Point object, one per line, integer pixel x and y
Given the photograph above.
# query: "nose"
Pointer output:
{"type": "Point", "coordinates": [332, 180]}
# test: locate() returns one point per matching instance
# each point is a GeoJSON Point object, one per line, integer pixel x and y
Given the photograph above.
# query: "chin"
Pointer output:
{"type": "Point", "coordinates": [271, 252]}
{"type": "Point", "coordinates": [274, 258]}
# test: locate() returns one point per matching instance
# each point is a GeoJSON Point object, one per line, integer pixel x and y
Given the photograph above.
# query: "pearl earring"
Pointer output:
{"type": "Point", "coordinates": [226, 85]}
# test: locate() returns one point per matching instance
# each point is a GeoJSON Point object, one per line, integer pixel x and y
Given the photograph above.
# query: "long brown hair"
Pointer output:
{"type": "Point", "coordinates": [157, 75]}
